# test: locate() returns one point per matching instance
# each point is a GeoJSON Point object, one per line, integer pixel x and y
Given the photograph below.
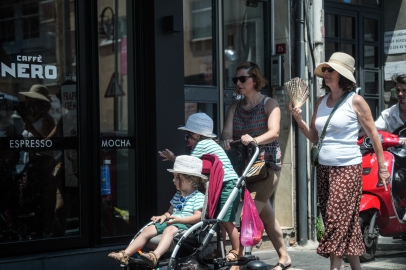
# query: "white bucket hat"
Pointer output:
{"type": "Point", "coordinates": [342, 63]}
{"type": "Point", "coordinates": [188, 165]}
{"type": "Point", "coordinates": [200, 123]}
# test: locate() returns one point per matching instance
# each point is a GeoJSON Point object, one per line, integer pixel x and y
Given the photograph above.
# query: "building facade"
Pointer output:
{"type": "Point", "coordinates": [79, 169]}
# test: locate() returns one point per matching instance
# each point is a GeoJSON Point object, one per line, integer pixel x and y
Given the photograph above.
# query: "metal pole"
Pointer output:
{"type": "Point", "coordinates": [302, 143]}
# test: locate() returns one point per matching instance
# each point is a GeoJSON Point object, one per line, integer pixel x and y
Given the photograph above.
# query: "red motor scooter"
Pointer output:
{"type": "Point", "coordinates": [383, 212]}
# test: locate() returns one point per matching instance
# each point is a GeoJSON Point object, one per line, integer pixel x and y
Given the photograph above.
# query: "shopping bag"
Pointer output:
{"type": "Point", "coordinates": [251, 225]}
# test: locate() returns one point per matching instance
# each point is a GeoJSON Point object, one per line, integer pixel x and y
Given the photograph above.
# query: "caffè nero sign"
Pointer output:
{"type": "Point", "coordinates": [29, 67]}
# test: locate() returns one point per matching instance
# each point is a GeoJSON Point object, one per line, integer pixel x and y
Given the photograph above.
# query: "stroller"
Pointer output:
{"type": "Point", "coordinates": [196, 239]}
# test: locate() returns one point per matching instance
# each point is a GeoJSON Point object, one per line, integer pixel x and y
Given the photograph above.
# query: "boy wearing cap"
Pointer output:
{"type": "Point", "coordinates": [185, 210]}
{"type": "Point", "coordinates": [199, 128]}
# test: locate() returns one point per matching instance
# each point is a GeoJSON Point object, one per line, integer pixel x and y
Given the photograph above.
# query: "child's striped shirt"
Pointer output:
{"type": "Point", "coordinates": [192, 203]}
{"type": "Point", "coordinates": [211, 147]}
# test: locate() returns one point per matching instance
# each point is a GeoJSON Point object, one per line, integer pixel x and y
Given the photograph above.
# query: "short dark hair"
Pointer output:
{"type": "Point", "coordinates": [398, 78]}
{"type": "Point", "coordinates": [344, 83]}
{"type": "Point", "coordinates": [255, 71]}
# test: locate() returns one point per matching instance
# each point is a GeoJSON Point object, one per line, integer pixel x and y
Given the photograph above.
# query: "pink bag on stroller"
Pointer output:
{"type": "Point", "coordinates": [252, 226]}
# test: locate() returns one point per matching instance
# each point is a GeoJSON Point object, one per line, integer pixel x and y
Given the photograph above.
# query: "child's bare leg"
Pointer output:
{"type": "Point", "coordinates": [141, 240]}
{"type": "Point", "coordinates": [166, 240]}
{"type": "Point", "coordinates": [233, 235]}
{"type": "Point", "coordinates": [223, 232]}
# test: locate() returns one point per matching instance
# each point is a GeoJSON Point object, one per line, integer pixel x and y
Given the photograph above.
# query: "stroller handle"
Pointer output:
{"type": "Point", "coordinates": [238, 142]}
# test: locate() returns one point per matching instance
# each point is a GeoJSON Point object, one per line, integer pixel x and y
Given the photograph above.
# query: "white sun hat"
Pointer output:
{"type": "Point", "coordinates": [200, 123]}
{"type": "Point", "coordinates": [342, 63]}
{"type": "Point", "coordinates": [188, 165]}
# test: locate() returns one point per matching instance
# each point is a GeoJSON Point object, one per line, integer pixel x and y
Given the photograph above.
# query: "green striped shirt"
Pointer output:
{"type": "Point", "coordinates": [192, 203]}
{"type": "Point", "coordinates": [211, 147]}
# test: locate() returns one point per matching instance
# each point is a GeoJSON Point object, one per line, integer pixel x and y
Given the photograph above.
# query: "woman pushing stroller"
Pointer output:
{"type": "Point", "coordinates": [199, 128]}
{"type": "Point", "coordinates": [185, 210]}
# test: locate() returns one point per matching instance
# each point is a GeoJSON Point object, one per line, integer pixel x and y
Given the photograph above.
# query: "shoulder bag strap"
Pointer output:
{"type": "Point", "coordinates": [343, 96]}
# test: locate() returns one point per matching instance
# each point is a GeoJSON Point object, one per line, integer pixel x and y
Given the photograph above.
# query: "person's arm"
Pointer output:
{"type": "Point", "coordinates": [363, 111]}
{"type": "Point", "coordinates": [227, 133]}
{"type": "Point", "coordinates": [309, 131]}
{"type": "Point", "coordinates": [186, 220]}
{"type": "Point", "coordinates": [161, 219]}
{"type": "Point", "coordinates": [167, 155]}
{"type": "Point", "coordinates": [380, 124]}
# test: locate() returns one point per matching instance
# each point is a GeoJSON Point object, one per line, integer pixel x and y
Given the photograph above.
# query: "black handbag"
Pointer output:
{"type": "Point", "coordinates": [314, 152]}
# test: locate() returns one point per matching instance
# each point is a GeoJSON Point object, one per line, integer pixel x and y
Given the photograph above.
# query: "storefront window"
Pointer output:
{"type": "Point", "coordinates": [243, 36]}
{"type": "Point", "coordinates": [117, 150]}
{"type": "Point", "coordinates": [39, 168]}
{"type": "Point", "coordinates": [198, 42]}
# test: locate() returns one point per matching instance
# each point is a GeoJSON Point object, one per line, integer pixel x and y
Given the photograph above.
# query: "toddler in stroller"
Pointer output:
{"type": "Point", "coordinates": [185, 210]}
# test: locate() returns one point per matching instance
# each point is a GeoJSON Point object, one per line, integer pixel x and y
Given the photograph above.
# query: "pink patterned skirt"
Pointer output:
{"type": "Point", "coordinates": [340, 190]}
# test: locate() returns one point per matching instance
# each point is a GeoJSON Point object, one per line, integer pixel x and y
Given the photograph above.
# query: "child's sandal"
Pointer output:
{"type": "Point", "coordinates": [121, 257]}
{"type": "Point", "coordinates": [232, 256]}
{"type": "Point", "coordinates": [150, 258]}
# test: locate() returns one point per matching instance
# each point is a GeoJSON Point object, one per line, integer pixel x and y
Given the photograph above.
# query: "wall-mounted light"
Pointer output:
{"type": "Point", "coordinates": [251, 3]}
{"type": "Point", "coordinates": [107, 30]}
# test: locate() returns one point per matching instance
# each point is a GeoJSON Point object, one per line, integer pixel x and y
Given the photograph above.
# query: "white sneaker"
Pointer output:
{"type": "Point", "coordinates": [404, 217]}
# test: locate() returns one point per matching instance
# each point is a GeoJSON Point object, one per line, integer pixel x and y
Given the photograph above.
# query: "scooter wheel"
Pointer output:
{"type": "Point", "coordinates": [370, 243]}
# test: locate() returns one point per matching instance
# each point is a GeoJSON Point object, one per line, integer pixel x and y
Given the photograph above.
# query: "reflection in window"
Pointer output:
{"type": "Point", "coordinates": [39, 181]}
{"type": "Point", "coordinates": [331, 47]}
{"type": "Point", "coordinates": [371, 83]}
{"type": "Point", "coordinates": [331, 24]}
{"type": "Point", "coordinates": [243, 36]}
{"type": "Point", "coordinates": [198, 42]}
{"type": "Point", "coordinates": [374, 105]}
{"type": "Point", "coordinates": [7, 27]}
{"type": "Point", "coordinates": [370, 56]}
{"type": "Point", "coordinates": [349, 49]}
{"type": "Point", "coordinates": [30, 17]}
{"type": "Point", "coordinates": [347, 27]}
{"type": "Point", "coordinates": [117, 153]}
{"type": "Point", "coordinates": [370, 30]}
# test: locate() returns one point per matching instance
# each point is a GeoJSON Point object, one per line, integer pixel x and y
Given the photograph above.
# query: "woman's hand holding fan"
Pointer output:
{"type": "Point", "coordinates": [298, 91]}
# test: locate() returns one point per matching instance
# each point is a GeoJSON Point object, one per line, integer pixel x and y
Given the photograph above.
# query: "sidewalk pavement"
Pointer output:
{"type": "Point", "coordinates": [391, 254]}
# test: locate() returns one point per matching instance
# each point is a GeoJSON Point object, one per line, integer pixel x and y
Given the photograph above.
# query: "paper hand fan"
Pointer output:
{"type": "Point", "coordinates": [298, 91]}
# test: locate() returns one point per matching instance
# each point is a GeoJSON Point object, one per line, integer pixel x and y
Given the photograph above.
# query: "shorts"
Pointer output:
{"type": "Point", "coordinates": [161, 227]}
{"type": "Point", "coordinates": [226, 190]}
{"type": "Point", "coordinates": [262, 190]}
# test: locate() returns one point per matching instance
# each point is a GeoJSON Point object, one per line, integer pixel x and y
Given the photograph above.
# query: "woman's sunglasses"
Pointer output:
{"type": "Point", "coordinates": [242, 79]}
{"type": "Point", "coordinates": [329, 69]}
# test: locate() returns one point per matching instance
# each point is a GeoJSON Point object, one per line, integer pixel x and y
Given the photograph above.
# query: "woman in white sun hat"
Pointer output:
{"type": "Point", "coordinates": [185, 210]}
{"type": "Point", "coordinates": [339, 182]}
{"type": "Point", "coordinates": [199, 128]}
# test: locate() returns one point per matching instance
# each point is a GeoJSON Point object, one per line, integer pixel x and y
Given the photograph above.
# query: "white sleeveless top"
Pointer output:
{"type": "Point", "coordinates": [339, 147]}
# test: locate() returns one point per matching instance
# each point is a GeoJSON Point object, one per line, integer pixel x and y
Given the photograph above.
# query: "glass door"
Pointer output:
{"type": "Point", "coordinates": [359, 33]}
{"type": "Point", "coordinates": [40, 184]}
{"type": "Point", "coordinates": [216, 39]}
{"type": "Point", "coordinates": [118, 184]}
{"type": "Point", "coordinates": [244, 39]}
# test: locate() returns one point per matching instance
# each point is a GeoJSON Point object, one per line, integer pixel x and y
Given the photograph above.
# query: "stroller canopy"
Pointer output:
{"type": "Point", "coordinates": [213, 166]}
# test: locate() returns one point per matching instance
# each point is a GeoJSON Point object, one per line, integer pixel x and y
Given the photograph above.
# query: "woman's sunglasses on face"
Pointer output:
{"type": "Point", "coordinates": [329, 69]}
{"type": "Point", "coordinates": [242, 79]}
